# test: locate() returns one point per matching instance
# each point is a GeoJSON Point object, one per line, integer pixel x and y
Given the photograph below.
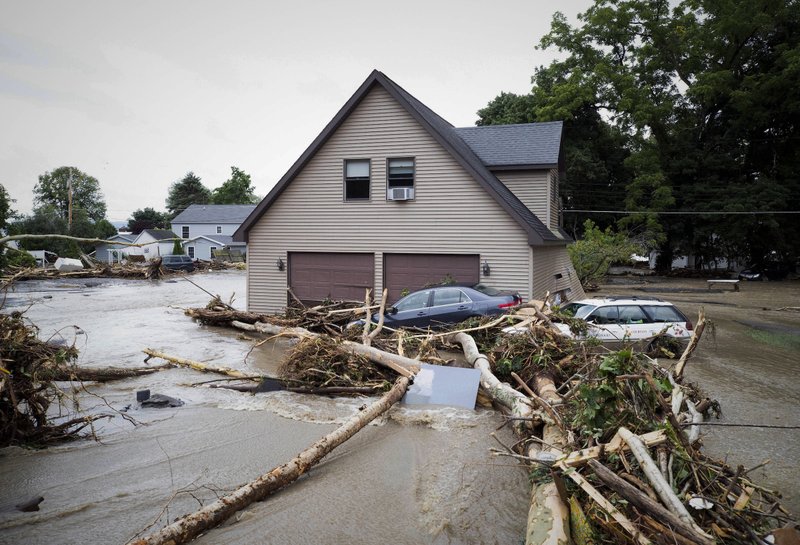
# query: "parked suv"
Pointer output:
{"type": "Point", "coordinates": [177, 263]}
{"type": "Point", "coordinates": [616, 321]}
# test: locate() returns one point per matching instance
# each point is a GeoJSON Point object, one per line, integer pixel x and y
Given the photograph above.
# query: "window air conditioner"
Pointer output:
{"type": "Point", "coordinates": [400, 193]}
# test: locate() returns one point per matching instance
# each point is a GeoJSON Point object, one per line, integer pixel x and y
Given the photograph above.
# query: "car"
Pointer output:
{"type": "Point", "coordinates": [617, 321]}
{"type": "Point", "coordinates": [177, 263]}
{"type": "Point", "coordinates": [442, 305]}
{"type": "Point", "coordinates": [772, 270]}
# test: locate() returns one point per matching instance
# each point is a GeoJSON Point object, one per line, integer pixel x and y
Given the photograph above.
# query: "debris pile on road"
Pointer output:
{"type": "Point", "coordinates": [612, 438]}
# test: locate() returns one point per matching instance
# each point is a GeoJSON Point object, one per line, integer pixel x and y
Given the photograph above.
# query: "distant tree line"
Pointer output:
{"type": "Point", "coordinates": [681, 107]}
{"type": "Point", "coordinates": [69, 201]}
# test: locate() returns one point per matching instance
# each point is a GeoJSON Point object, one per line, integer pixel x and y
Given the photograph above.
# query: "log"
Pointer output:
{"type": "Point", "coordinates": [579, 458]}
{"type": "Point", "coordinates": [102, 374]}
{"type": "Point", "coordinates": [696, 334]}
{"type": "Point", "coordinates": [607, 506]}
{"type": "Point", "coordinates": [403, 366]}
{"type": "Point", "coordinates": [649, 506]}
{"type": "Point", "coordinates": [198, 366]}
{"type": "Point", "coordinates": [659, 484]}
{"type": "Point", "coordinates": [192, 525]}
{"type": "Point", "coordinates": [500, 392]}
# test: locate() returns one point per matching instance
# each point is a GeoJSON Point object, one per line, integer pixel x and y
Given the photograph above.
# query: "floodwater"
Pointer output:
{"type": "Point", "coordinates": [418, 475]}
{"type": "Point", "coordinates": [748, 361]}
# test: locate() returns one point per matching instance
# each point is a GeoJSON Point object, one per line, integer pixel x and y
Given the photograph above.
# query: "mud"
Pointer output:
{"type": "Point", "coordinates": [748, 360]}
{"type": "Point", "coordinates": [418, 475]}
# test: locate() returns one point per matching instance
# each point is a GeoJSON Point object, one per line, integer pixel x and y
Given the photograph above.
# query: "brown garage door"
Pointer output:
{"type": "Point", "coordinates": [414, 271]}
{"type": "Point", "coordinates": [341, 277]}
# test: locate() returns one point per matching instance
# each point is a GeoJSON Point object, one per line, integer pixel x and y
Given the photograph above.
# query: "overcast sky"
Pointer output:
{"type": "Point", "coordinates": [139, 93]}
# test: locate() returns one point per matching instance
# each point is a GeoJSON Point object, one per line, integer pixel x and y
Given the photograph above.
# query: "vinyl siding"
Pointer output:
{"type": "Point", "coordinates": [555, 201]}
{"type": "Point", "coordinates": [529, 186]}
{"type": "Point", "coordinates": [451, 212]}
{"type": "Point", "coordinates": [549, 261]}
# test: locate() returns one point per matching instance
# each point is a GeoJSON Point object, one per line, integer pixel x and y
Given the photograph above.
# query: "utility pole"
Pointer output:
{"type": "Point", "coordinates": [69, 201]}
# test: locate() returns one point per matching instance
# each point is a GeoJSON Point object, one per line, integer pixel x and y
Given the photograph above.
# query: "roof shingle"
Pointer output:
{"type": "Point", "coordinates": [214, 213]}
{"type": "Point", "coordinates": [529, 144]}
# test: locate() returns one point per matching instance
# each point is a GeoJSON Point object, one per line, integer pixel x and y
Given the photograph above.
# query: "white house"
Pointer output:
{"type": "Point", "coordinates": [112, 253]}
{"type": "Point", "coordinates": [157, 242]}
{"type": "Point", "coordinates": [208, 227]}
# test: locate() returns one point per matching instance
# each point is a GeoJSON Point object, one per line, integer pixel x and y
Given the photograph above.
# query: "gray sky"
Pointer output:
{"type": "Point", "coordinates": [137, 94]}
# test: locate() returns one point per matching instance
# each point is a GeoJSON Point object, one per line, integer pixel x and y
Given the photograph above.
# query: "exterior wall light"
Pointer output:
{"type": "Point", "coordinates": [280, 264]}
{"type": "Point", "coordinates": [487, 270]}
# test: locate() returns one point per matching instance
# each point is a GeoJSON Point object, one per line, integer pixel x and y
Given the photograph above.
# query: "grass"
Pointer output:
{"type": "Point", "coordinates": [788, 341]}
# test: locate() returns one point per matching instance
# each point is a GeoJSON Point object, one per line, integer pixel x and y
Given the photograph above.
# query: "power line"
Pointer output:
{"type": "Point", "coordinates": [688, 213]}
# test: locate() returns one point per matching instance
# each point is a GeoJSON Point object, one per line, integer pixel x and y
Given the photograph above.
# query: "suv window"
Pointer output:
{"type": "Point", "coordinates": [632, 314]}
{"type": "Point", "coordinates": [662, 314]}
{"type": "Point", "coordinates": [577, 310]}
{"type": "Point", "coordinates": [414, 301]}
{"type": "Point", "coordinates": [449, 296]}
{"type": "Point", "coordinates": [604, 315]}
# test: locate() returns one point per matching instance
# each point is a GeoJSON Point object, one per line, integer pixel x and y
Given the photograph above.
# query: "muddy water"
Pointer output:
{"type": "Point", "coordinates": [416, 476]}
{"type": "Point", "coordinates": [749, 362]}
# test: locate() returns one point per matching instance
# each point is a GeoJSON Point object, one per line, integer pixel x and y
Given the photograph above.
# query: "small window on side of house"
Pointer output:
{"type": "Point", "coordinates": [212, 250]}
{"type": "Point", "coordinates": [400, 173]}
{"type": "Point", "coordinates": [219, 229]}
{"type": "Point", "coordinates": [190, 251]}
{"type": "Point", "coordinates": [185, 231]}
{"type": "Point", "coordinates": [356, 179]}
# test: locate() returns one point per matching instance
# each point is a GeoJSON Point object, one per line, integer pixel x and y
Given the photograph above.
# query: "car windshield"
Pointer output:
{"type": "Point", "coordinates": [577, 310]}
{"type": "Point", "coordinates": [486, 290]}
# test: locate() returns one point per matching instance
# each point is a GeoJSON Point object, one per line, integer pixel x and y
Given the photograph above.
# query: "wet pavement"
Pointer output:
{"type": "Point", "coordinates": [415, 476]}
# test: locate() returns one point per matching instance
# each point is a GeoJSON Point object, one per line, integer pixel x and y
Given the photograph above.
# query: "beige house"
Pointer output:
{"type": "Point", "coordinates": [391, 195]}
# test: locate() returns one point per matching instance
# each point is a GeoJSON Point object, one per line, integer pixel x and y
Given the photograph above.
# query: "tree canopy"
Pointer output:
{"type": "Point", "coordinates": [53, 189]}
{"type": "Point", "coordinates": [6, 212]}
{"type": "Point", "coordinates": [701, 96]}
{"type": "Point", "coordinates": [238, 189]}
{"type": "Point", "coordinates": [147, 218]}
{"type": "Point", "coordinates": [186, 191]}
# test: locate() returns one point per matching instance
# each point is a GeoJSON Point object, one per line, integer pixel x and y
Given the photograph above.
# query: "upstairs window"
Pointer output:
{"type": "Point", "coordinates": [356, 179]}
{"type": "Point", "coordinates": [219, 229]}
{"type": "Point", "coordinates": [185, 231]}
{"type": "Point", "coordinates": [400, 173]}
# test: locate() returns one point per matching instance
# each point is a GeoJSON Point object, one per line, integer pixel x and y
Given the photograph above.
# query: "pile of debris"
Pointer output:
{"type": "Point", "coordinates": [612, 438]}
{"type": "Point", "coordinates": [152, 269]}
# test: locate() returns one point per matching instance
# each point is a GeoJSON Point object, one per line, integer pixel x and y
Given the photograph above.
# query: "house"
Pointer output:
{"type": "Point", "coordinates": [157, 242]}
{"type": "Point", "coordinates": [112, 253]}
{"type": "Point", "coordinates": [209, 227]}
{"type": "Point", "coordinates": [391, 195]}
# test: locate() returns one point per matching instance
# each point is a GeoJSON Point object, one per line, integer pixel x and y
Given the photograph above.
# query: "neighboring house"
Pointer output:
{"type": "Point", "coordinates": [157, 242]}
{"type": "Point", "coordinates": [391, 195]}
{"type": "Point", "coordinates": [112, 253]}
{"type": "Point", "coordinates": [210, 226]}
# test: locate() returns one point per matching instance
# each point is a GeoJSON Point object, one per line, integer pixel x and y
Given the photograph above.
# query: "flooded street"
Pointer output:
{"type": "Point", "coordinates": [414, 476]}
{"type": "Point", "coordinates": [748, 361]}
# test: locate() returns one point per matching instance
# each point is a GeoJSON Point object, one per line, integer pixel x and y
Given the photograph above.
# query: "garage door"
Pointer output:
{"type": "Point", "coordinates": [341, 277]}
{"type": "Point", "coordinates": [414, 271]}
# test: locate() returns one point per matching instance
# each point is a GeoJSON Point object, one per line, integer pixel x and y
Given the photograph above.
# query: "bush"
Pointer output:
{"type": "Point", "coordinates": [592, 255]}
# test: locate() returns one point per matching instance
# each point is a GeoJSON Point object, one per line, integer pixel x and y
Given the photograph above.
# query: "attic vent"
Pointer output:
{"type": "Point", "coordinates": [400, 193]}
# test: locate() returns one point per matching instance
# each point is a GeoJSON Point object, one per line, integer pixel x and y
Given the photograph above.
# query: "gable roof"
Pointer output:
{"type": "Point", "coordinates": [124, 237]}
{"type": "Point", "coordinates": [158, 234]}
{"type": "Point", "coordinates": [214, 213]}
{"type": "Point", "coordinates": [442, 131]}
{"type": "Point", "coordinates": [528, 145]}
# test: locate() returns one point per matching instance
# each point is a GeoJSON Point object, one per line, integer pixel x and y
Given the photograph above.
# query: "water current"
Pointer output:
{"type": "Point", "coordinates": [418, 475]}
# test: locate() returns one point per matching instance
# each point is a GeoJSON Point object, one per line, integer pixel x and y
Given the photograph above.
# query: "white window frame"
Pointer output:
{"type": "Point", "coordinates": [354, 179]}
{"type": "Point", "coordinates": [185, 231]}
{"type": "Point", "coordinates": [219, 229]}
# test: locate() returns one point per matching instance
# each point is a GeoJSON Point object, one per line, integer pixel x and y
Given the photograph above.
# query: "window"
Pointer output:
{"type": "Point", "coordinates": [449, 296]}
{"type": "Point", "coordinates": [400, 173]}
{"type": "Point", "coordinates": [664, 314]}
{"type": "Point", "coordinates": [632, 314]}
{"type": "Point", "coordinates": [356, 179]}
{"type": "Point", "coordinates": [414, 301]}
{"type": "Point", "coordinates": [190, 250]}
{"type": "Point", "coordinates": [211, 251]}
{"type": "Point", "coordinates": [219, 229]}
{"type": "Point", "coordinates": [185, 231]}
{"type": "Point", "coordinates": [604, 315]}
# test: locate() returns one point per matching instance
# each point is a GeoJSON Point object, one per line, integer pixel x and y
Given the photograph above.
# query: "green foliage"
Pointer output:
{"type": "Point", "coordinates": [177, 248]}
{"type": "Point", "coordinates": [104, 229]}
{"type": "Point", "coordinates": [592, 255]}
{"type": "Point", "coordinates": [677, 106]}
{"type": "Point", "coordinates": [186, 191]}
{"type": "Point", "coordinates": [48, 221]}
{"type": "Point", "coordinates": [238, 189]}
{"type": "Point", "coordinates": [6, 213]}
{"type": "Point", "coordinates": [19, 259]}
{"type": "Point", "coordinates": [53, 188]}
{"type": "Point", "coordinates": [147, 218]}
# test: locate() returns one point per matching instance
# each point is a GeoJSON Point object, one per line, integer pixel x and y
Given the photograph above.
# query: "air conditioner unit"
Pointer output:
{"type": "Point", "coordinates": [400, 193]}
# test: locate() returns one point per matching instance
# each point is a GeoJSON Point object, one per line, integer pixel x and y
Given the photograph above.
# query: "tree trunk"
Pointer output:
{"type": "Point", "coordinates": [197, 366]}
{"type": "Point", "coordinates": [102, 374]}
{"type": "Point", "coordinates": [696, 334]}
{"type": "Point", "coordinates": [190, 526]}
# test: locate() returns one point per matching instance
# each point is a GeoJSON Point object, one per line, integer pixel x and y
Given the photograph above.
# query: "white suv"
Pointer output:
{"type": "Point", "coordinates": [617, 321]}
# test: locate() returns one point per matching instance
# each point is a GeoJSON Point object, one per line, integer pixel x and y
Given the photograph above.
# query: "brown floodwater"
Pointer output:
{"type": "Point", "coordinates": [417, 475]}
{"type": "Point", "coordinates": [749, 361]}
